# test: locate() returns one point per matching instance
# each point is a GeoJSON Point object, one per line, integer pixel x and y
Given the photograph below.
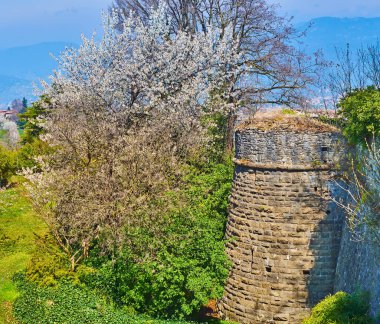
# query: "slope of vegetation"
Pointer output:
{"type": "Point", "coordinates": [18, 225]}
{"type": "Point", "coordinates": [134, 169]}
{"type": "Point", "coordinates": [21, 233]}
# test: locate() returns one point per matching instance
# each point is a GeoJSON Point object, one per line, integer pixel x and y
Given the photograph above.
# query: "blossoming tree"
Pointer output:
{"type": "Point", "coordinates": [124, 113]}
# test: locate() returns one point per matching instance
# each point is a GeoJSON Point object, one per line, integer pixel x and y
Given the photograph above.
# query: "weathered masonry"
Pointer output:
{"type": "Point", "coordinates": [284, 229]}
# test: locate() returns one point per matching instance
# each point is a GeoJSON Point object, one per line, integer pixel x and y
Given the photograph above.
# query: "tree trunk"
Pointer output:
{"type": "Point", "coordinates": [230, 131]}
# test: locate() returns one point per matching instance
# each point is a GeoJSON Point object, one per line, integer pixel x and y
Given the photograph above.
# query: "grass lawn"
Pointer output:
{"type": "Point", "coordinates": [18, 223]}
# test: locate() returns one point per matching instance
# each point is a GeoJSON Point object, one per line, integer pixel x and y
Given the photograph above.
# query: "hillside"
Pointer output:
{"type": "Point", "coordinates": [22, 66]}
{"type": "Point", "coordinates": [12, 87]}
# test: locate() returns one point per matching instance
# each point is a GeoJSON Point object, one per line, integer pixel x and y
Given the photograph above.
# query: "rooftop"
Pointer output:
{"type": "Point", "coordinates": [12, 112]}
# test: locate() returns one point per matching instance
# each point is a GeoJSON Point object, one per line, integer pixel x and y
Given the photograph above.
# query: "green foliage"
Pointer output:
{"type": "Point", "coordinates": [288, 111]}
{"type": "Point", "coordinates": [190, 266]}
{"type": "Point", "coordinates": [3, 133]}
{"type": "Point", "coordinates": [48, 263]}
{"type": "Point", "coordinates": [26, 154]}
{"type": "Point", "coordinates": [360, 110]}
{"type": "Point", "coordinates": [217, 132]}
{"type": "Point", "coordinates": [65, 304]}
{"type": "Point", "coordinates": [30, 120]}
{"type": "Point", "coordinates": [17, 224]}
{"type": "Point", "coordinates": [7, 165]}
{"type": "Point", "coordinates": [341, 308]}
{"type": "Point", "coordinates": [14, 160]}
{"type": "Point", "coordinates": [168, 275]}
{"type": "Point", "coordinates": [68, 303]}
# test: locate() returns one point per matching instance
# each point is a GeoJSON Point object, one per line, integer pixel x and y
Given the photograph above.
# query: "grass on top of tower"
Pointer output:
{"type": "Point", "coordinates": [286, 120]}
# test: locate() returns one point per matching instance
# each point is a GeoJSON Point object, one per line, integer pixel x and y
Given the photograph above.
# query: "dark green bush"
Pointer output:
{"type": "Point", "coordinates": [31, 118]}
{"type": "Point", "coordinates": [67, 303]}
{"type": "Point", "coordinates": [7, 165]}
{"type": "Point", "coordinates": [189, 266]}
{"type": "Point", "coordinates": [341, 308]}
{"type": "Point", "coordinates": [360, 111]}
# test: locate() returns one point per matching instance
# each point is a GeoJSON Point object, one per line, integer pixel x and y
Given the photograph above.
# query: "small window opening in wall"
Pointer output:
{"type": "Point", "coordinates": [315, 188]}
{"type": "Point", "coordinates": [306, 272]}
{"type": "Point", "coordinates": [324, 150]}
{"type": "Point", "coordinates": [268, 269]}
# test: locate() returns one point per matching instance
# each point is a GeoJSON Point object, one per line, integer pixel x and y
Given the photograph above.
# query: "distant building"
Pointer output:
{"type": "Point", "coordinates": [8, 115]}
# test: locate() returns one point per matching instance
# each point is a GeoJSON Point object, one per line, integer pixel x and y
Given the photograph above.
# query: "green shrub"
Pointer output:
{"type": "Point", "coordinates": [7, 165]}
{"type": "Point", "coordinates": [187, 269]}
{"type": "Point", "coordinates": [63, 304]}
{"type": "Point", "coordinates": [13, 161]}
{"type": "Point", "coordinates": [31, 118]}
{"type": "Point", "coordinates": [48, 264]}
{"type": "Point", "coordinates": [169, 271]}
{"type": "Point", "coordinates": [68, 303]}
{"type": "Point", "coordinates": [26, 154]}
{"type": "Point", "coordinates": [341, 308]}
{"type": "Point", "coordinates": [360, 110]}
{"type": "Point", "coordinates": [189, 266]}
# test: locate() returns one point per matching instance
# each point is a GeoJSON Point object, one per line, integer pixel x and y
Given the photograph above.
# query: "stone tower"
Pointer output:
{"type": "Point", "coordinates": [283, 228]}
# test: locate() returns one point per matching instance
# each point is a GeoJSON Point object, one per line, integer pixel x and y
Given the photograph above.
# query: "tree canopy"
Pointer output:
{"type": "Point", "coordinates": [272, 69]}
{"type": "Point", "coordinates": [360, 110]}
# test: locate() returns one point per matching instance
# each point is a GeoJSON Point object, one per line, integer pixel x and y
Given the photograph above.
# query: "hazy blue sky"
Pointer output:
{"type": "Point", "coordinates": [303, 10]}
{"type": "Point", "coordinates": [24, 22]}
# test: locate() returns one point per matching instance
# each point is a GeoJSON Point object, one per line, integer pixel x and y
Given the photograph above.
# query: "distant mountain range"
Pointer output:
{"type": "Point", "coordinates": [20, 67]}
{"type": "Point", "coordinates": [11, 88]}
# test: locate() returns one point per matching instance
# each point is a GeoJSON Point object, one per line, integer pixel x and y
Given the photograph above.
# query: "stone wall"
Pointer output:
{"type": "Point", "coordinates": [359, 267]}
{"type": "Point", "coordinates": [283, 228]}
{"type": "Point", "coordinates": [358, 264]}
{"type": "Point", "coordinates": [287, 147]}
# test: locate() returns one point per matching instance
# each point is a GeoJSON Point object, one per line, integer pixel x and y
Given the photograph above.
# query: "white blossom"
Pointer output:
{"type": "Point", "coordinates": [122, 114]}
